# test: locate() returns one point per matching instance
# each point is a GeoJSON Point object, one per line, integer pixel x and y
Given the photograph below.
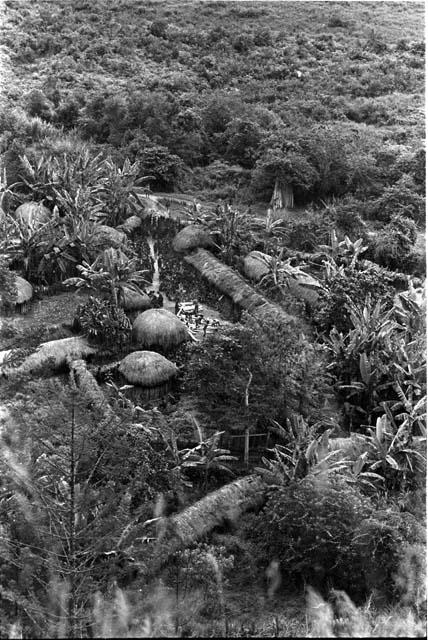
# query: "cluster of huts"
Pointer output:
{"type": "Point", "coordinates": [157, 332]}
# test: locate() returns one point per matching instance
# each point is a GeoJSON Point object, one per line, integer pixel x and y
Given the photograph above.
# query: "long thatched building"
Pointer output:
{"type": "Point", "coordinates": [229, 282]}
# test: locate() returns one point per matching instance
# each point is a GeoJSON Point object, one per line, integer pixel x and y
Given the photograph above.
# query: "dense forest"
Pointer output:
{"type": "Point", "coordinates": [212, 319]}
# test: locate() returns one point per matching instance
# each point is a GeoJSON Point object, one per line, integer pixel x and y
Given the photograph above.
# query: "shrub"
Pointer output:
{"type": "Point", "coordinates": [305, 235]}
{"type": "Point", "coordinates": [8, 290]}
{"type": "Point", "coordinates": [309, 526]}
{"type": "Point", "coordinates": [402, 198]}
{"type": "Point", "coordinates": [158, 28]}
{"type": "Point", "coordinates": [393, 245]}
{"type": "Point", "coordinates": [164, 166]}
{"type": "Point", "coordinates": [103, 323]}
{"type": "Point", "coordinates": [39, 105]}
{"type": "Point", "coordinates": [385, 542]}
{"type": "Point", "coordinates": [203, 568]}
{"type": "Point", "coordinates": [243, 43]}
{"type": "Point", "coordinates": [331, 310]}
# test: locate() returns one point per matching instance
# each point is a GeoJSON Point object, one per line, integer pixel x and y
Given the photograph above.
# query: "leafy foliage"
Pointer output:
{"type": "Point", "coordinates": [103, 322]}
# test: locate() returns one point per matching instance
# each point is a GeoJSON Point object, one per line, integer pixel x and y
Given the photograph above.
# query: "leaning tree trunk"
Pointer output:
{"type": "Point", "coordinates": [282, 197]}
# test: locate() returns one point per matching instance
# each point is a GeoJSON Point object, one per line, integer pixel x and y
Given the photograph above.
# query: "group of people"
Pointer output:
{"type": "Point", "coordinates": [191, 316]}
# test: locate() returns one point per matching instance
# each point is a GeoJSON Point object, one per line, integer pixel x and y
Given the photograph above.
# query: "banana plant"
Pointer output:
{"type": "Point", "coordinates": [345, 251]}
{"type": "Point", "coordinates": [112, 272]}
{"type": "Point", "coordinates": [391, 452]}
{"type": "Point", "coordinates": [207, 457]}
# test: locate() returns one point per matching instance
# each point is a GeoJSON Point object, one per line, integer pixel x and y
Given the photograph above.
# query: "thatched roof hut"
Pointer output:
{"type": "Point", "coordinates": [226, 504]}
{"type": "Point", "coordinates": [55, 354]}
{"type": "Point", "coordinates": [132, 300]}
{"type": "Point", "coordinates": [159, 328]}
{"type": "Point", "coordinates": [130, 225]}
{"type": "Point", "coordinates": [191, 237]}
{"type": "Point", "coordinates": [24, 290]}
{"type": "Point", "coordinates": [147, 369]}
{"type": "Point", "coordinates": [32, 214]}
{"type": "Point", "coordinates": [256, 265]}
{"type": "Point", "coordinates": [226, 280]}
{"type": "Point", "coordinates": [152, 207]}
{"type": "Point", "coordinates": [108, 236]}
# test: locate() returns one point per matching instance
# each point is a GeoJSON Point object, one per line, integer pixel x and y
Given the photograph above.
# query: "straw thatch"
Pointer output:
{"type": "Point", "coordinates": [132, 300]}
{"type": "Point", "coordinates": [89, 386]}
{"type": "Point", "coordinates": [226, 280]}
{"type": "Point", "coordinates": [108, 236]}
{"type": "Point", "coordinates": [147, 368]}
{"type": "Point", "coordinates": [305, 287]}
{"type": "Point", "coordinates": [130, 225]}
{"type": "Point", "coordinates": [152, 207]}
{"type": "Point", "coordinates": [159, 328]}
{"type": "Point", "coordinates": [226, 504]}
{"type": "Point", "coordinates": [191, 237]}
{"type": "Point", "coordinates": [32, 214]}
{"type": "Point", "coordinates": [256, 265]}
{"type": "Point", "coordinates": [24, 290]}
{"type": "Point", "coordinates": [54, 354]}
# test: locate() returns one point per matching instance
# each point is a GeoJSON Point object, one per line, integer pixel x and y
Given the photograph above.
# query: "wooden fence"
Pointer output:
{"type": "Point", "coordinates": [258, 443]}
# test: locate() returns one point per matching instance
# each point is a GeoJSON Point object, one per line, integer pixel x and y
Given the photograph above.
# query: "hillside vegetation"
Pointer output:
{"type": "Point", "coordinates": [212, 319]}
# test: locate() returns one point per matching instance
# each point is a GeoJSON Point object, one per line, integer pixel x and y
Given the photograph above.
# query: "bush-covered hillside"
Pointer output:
{"type": "Point", "coordinates": [212, 319]}
{"type": "Point", "coordinates": [213, 96]}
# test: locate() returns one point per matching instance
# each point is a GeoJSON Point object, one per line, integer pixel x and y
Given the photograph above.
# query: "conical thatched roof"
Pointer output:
{"type": "Point", "coordinates": [134, 300]}
{"type": "Point", "coordinates": [191, 237]}
{"type": "Point", "coordinates": [159, 328]}
{"type": "Point", "coordinates": [256, 265]}
{"type": "Point", "coordinates": [24, 289]}
{"type": "Point", "coordinates": [147, 368]}
{"type": "Point", "coordinates": [226, 280]}
{"type": "Point", "coordinates": [130, 225]}
{"type": "Point", "coordinates": [32, 213]}
{"type": "Point", "coordinates": [108, 236]}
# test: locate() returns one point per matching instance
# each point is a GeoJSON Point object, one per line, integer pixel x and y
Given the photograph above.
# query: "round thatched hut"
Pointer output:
{"type": "Point", "coordinates": [149, 372]}
{"type": "Point", "coordinates": [159, 328]}
{"type": "Point", "coordinates": [192, 237]}
{"type": "Point", "coordinates": [32, 214]}
{"type": "Point", "coordinates": [256, 265]}
{"type": "Point", "coordinates": [135, 300]}
{"type": "Point", "coordinates": [24, 294]}
{"type": "Point", "coordinates": [105, 236]}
